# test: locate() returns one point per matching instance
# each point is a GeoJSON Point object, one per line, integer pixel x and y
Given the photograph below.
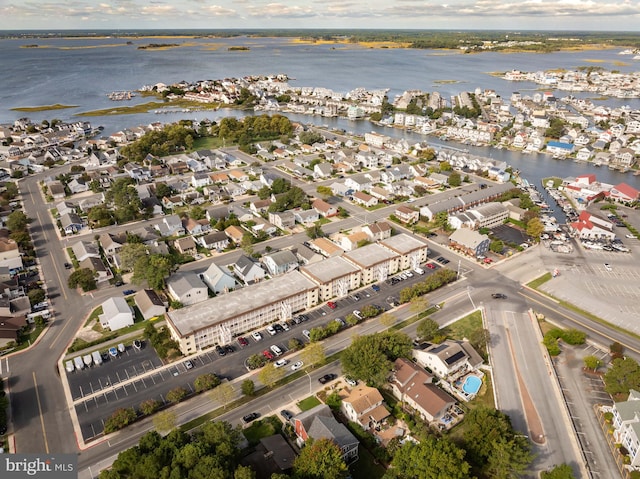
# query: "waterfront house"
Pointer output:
{"type": "Point", "coordinates": [590, 226]}
{"type": "Point", "coordinates": [624, 193]}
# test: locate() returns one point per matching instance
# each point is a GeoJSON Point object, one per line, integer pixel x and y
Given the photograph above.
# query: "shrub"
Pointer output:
{"type": "Point", "coordinates": [149, 406]}
{"type": "Point", "coordinates": [177, 394]}
{"type": "Point", "coordinates": [119, 419]}
{"type": "Point", "coordinates": [205, 382]}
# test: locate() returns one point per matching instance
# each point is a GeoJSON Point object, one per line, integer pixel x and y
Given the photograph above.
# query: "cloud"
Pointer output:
{"type": "Point", "coordinates": [280, 10]}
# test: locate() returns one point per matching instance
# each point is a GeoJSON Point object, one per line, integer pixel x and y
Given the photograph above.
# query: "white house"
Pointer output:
{"type": "Point", "coordinates": [448, 358]}
{"type": "Point", "coordinates": [218, 280]}
{"type": "Point", "coordinates": [626, 424]}
{"type": "Point", "coordinates": [187, 289]}
{"type": "Point", "coordinates": [116, 314]}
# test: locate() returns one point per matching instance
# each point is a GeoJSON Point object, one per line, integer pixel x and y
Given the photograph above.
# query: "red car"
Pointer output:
{"type": "Point", "coordinates": [267, 354]}
{"type": "Point", "coordinates": [242, 341]}
{"type": "Point", "coordinates": [332, 305]}
{"type": "Point", "coordinates": [430, 266]}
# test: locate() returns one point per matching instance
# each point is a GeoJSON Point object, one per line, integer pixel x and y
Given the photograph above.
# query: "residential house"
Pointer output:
{"type": "Point", "coordinates": [322, 170]}
{"type": "Point", "coordinates": [470, 242]}
{"type": "Point", "coordinates": [413, 387]}
{"type": "Point", "coordinates": [85, 249]}
{"type": "Point", "coordinates": [77, 185]}
{"type": "Point", "coordinates": [406, 215]}
{"type": "Point", "coordinates": [259, 207]}
{"type": "Point", "coordinates": [365, 199]}
{"type": "Point", "coordinates": [100, 270]}
{"type": "Point", "coordinates": [187, 288]}
{"type": "Point", "coordinates": [65, 207]}
{"type": "Point", "coordinates": [358, 184]}
{"type": "Point", "coordinates": [377, 231]}
{"type": "Point", "coordinates": [260, 225]}
{"type": "Point", "coordinates": [109, 244]}
{"type": "Point", "coordinates": [305, 217]}
{"type": "Point", "coordinates": [196, 227]}
{"type": "Point", "coordinates": [306, 255]}
{"type": "Point", "coordinates": [626, 426]}
{"type": "Point", "coordinates": [56, 190]}
{"type": "Point", "coordinates": [319, 423]}
{"type": "Point", "coordinates": [238, 175]}
{"type": "Point", "coordinates": [488, 215]}
{"type": "Point", "coordinates": [218, 280]}
{"type": "Point", "coordinates": [352, 241]}
{"type": "Point", "coordinates": [71, 223]}
{"type": "Point", "coordinates": [283, 219]}
{"type": "Point", "coordinates": [243, 214]}
{"type": "Point", "coordinates": [171, 202]}
{"type": "Point", "coordinates": [381, 193]}
{"type": "Point", "coordinates": [171, 226]}
{"type": "Point", "coordinates": [116, 314]}
{"type": "Point", "coordinates": [235, 233]}
{"type": "Point", "coordinates": [364, 405]}
{"type": "Point", "coordinates": [324, 209]}
{"type": "Point", "coordinates": [200, 180]}
{"type": "Point", "coordinates": [149, 304]}
{"type": "Point", "coordinates": [217, 240]}
{"type": "Point", "coordinates": [280, 262]}
{"type": "Point", "coordinates": [449, 358]}
{"type": "Point", "coordinates": [186, 245]}
{"type": "Point", "coordinates": [248, 271]}
{"type": "Point", "coordinates": [325, 247]}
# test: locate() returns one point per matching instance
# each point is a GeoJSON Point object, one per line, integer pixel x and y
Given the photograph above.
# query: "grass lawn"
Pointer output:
{"type": "Point", "coordinates": [536, 283]}
{"type": "Point", "coordinates": [262, 428]}
{"type": "Point", "coordinates": [207, 143]}
{"type": "Point", "coordinates": [308, 403]}
{"type": "Point", "coordinates": [366, 467]}
{"type": "Point", "coordinates": [464, 327]}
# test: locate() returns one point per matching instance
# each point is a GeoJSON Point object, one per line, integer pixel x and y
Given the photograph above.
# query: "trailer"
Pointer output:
{"type": "Point", "coordinates": [97, 358]}
{"type": "Point", "coordinates": [78, 362]}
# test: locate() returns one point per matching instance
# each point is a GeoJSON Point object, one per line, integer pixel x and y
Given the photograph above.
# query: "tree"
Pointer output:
{"type": "Point", "coordinates": [563, 471]}
{"type": "Point", "coordinates": [205, 382]}
{"type": "Point", "coordinates": [244, 472]}
{"type": "Point", "coordinates": [367, 359]}
{"type": "Point", "coordinates": [419, 304]}
{"type": "Point", "coordinates": [431, 458]}
{"type": "Point", "coordinates": [496, 246]}
{"type": "Point", "coordinates": [177, 394]}
{"type": "Point", "coordinates": [17, 221]}
{"type": "Point", "coordinates": [624, 374]}
{"type": "Point", "coordinates": [153, 269]}
{"type": "Point", "coordinates": [248, 387]}
{"type": "Point", "coordinates": [256, 361]}
{"type": "Point", "coordinates": [119, 419]}
{"type": "Point", "coordinates": [100, 216]}
{"type": "Point", "coordinates": [454, 179]}
{"type": "Point", "coordinates": [387, 319]}
{"type": "Point", "coordinates": [324, 191]}
{"type": "Point", "coordinates": [427, 329]}
{"type": "Point", "coordinates": [247, 243]}
{"type": "Point", "coordinates": [315, 231]}
{"type": "Point", "coordinates": [36, 295]}
{"type": "Point", "coordinates": [223, 393]}
{"type": "Point", "coordinates": [616, 350]}
{"type": "Point", "coordinates": [270, 375]}
{"type": "Point", "coordinates": [441, 220]}
{"type": "Point", "coordinates": [149, 406]}
{"type": "Point", "coordinates": [313, 354]}
{"type": "Point", "coordinates": [535, 228]}
{"type": "Point", "coordinates": [83, 278]}
{"type": "Point", "coordinates": [11, 190]}
{"type": "Point", "coordinates": [321, 459]}
{"type": "Point", "coordinates": [130, 253]}
{"type": "Point", "coordinates": [164, 421]}
{"type": "Point", "coordinates": [509, 458]}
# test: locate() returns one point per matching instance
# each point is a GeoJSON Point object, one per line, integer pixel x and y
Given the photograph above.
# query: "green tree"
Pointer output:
{"type": "Point", "coordinates": [100, 216]}
{"type": "Point", "coordinates": [387, 319]}
{"type": "Point", "coordinates": [624, 374]}
{"type": "Point", "coordinates": [177, 394]}
{"type": "Point", "coordinates": [321, 459]}
{"type": "Point", "coordinates": [270, 375]}
{"type": "Point", "coordinates": [11, 190]}
{"type": "Point", "coordinates": [509, 458]}
{"type": "Point", "coordinates": [563, 471]}
{"type": "Point", "coordinates": [248, 387]}
{"type": "Point", "coordinates": [454, 179]}
{"type": "Point", "coordinates": [256, 361]}
{"type": "Point", "coordinates": [149, 406]}
{"type": "Point", "coordinates": [197, 213]}
{"type": "Point", "coordinates": [431, 458]}
{"type": "Point", "coordinates": [535, 228]}
{"type": "Point", "coordinates": [153, 269]}
{"type": "Point", "coordinates": [82, 278]}
{"type": "Point", "coordinates": [244, 472]}
{"type": "Point", "coordinates": [441, 220]}
{"type": "Point", "coordinates": [36, 295]}
{"type": "Point", "coordinates": [324, 191]}
{"type": "Point", "coordinates": [164, 421]}
{"type": "Point", "coordinates": [223, 393]}
{"type": "Point", "coordinates": [313, 354]}
{"type": "Point", "coordinates": [17, 221]}
{"type": "Point", "coordinates": [205, 382]}
{"type": "Point", "coordinates": [496, 246]}
{"type": "Point", "coordinates": [314, 231]}
{"type": "Point", "coordinates": [427, 329]}
{"type": "Point", "coordinates": [119, 419]}
{"type": "Point", "coordinates": [130, 253]}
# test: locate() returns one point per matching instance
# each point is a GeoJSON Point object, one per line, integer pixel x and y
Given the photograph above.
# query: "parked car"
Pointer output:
{"type": "Point", "coordinates": [375, 287]}
{"type": "Point", "coordinates": [297, 365]}
{"type": "Point", "coordinates": [220, 350]}
{"type": "Point", "coordinates": [608, 267]}
{"type": "Point", "coordinates": [250, 417]}
{"type": "Point", "coordinates": [68, 266]}
{"type": "Point", "coordinates": [430, 266]}
{"type": "Point", "coordinates": [326, 378]}
{"type": "Point", "coordinates": [280, 362]}
{"type": "Point", "coordinates": [350, 381]}
{"type": "Point", "coordinates": [306, 334]}
{"type": "Point", "coordinates": [119, 283]}
{"type": "Point", "coordinates": [242, 341]}
{"type": "Point", "coordinates": [271, 330]}
{"type": "Point", "coordinates": [267, 354]}
{"type": "Point", "coordinates": [137, 344]}
{"type": "Point", "coordinates": [127, 292]}
{"type": "Point", "coordinates": [256, 335]}
{"type": "Point", "coordinates": [357, 314]}
{"type": "Point", "coordinates": [499, 296]}
{"type": "Point", "coordinates": [229, 348]}
{"type": "Point", "coordinates": [275, 350]}
{"type": "Point", "coordinates": [332, 305]}
{"type": "Point", "coordinates": [188, 364]}
{"type": "Point", "coordinates": [341, 322]}
{"type": "Point", "coordinates": [286, 415]}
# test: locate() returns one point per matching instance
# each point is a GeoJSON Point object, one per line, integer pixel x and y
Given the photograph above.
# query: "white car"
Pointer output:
{"type": "Point", "coordinates": [357, 314]}
{"type": "Point", "coordinates": [271, 330]}
{"type": "Point", "coordinates": [409, 274]}
{"type": "Point", "coordinates": [297, 365]}
{"type": "Point", "coordinates": [607, 266]}
{"type": "Point", "coordinates": [280, 362]}
{"type": "Point", "coordinates": [256, 335]}
{"type": "Point", "coordinates": [306, 334]}
{"type": "Point", "coordinates": [350, 381]}
{"type": "Point", "coordinates": [630, 236]}
{"type": "Point", "coordinates": [284, 325]}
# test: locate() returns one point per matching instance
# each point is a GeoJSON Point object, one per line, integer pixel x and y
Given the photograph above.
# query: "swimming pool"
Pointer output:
{"type": "Point", "coordinates": [472, 384]}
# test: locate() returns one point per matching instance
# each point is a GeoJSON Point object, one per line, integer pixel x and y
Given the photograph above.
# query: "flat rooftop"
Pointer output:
{"type": "Point", "coordinates": [403, 243]}
{"type": "Point", "coordinates": [370, 255]}
{"type": "Point", "coordinates": [227, 306]}
{"type": "Point", "coordinates": [329, 269]}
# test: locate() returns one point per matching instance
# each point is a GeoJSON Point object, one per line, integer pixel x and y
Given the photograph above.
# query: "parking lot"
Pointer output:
{"type": "Point", "coordinates": [138, 375]}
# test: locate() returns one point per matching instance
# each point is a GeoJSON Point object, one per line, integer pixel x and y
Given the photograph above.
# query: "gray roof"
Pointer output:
{"type": "Point", "coordinates": [329, 269]}
{"type": "Point", "coordinates": [629, 409]}
{"type": "Point", "coordinates": [281, 258]}
{"type": "Point", "coordinates": [328, 428]}
{"type": "Point", "coordinates": [222, 308]}
{"type": "Point", "coordinates": [403, 243]}
{"type": "Point", "coordinates": [491, 209]}
{"type": "Point", "coordinates": [370, 255]}
{"type": "Point", "coordinates": [468, 237]}
{"type": "Point", "coordinates": [183, 283]}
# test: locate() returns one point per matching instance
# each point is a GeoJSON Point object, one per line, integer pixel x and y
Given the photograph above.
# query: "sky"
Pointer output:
{"type": "Point", "coordinates": [607, 15]}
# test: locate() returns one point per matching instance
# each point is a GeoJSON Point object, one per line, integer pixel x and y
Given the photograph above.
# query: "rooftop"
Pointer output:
{"type": "Point", "coordinates": [403, 243]}
{"type": "Point", "coordinates": [370, 255]}
{"type": "Point", "coordinates": [329, 269]}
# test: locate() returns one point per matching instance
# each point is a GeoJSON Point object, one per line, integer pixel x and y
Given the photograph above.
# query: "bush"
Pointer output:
{"type": "Point", "coordinates": [149, 406]}
{"type": "Point", "coordinates": [177, 394]}
{"type": "Point", "coordinates": [551, 343]}
{"type": "Point", "coordinates": [205, 382]}
{"type": "Point", "coordinates": [248, 387]}
{"type": "Point", "coordinates": [121, 418]}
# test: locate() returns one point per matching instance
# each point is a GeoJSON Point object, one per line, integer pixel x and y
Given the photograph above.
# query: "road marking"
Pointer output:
{"type": "Point", "coordinates": [44, 432]}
